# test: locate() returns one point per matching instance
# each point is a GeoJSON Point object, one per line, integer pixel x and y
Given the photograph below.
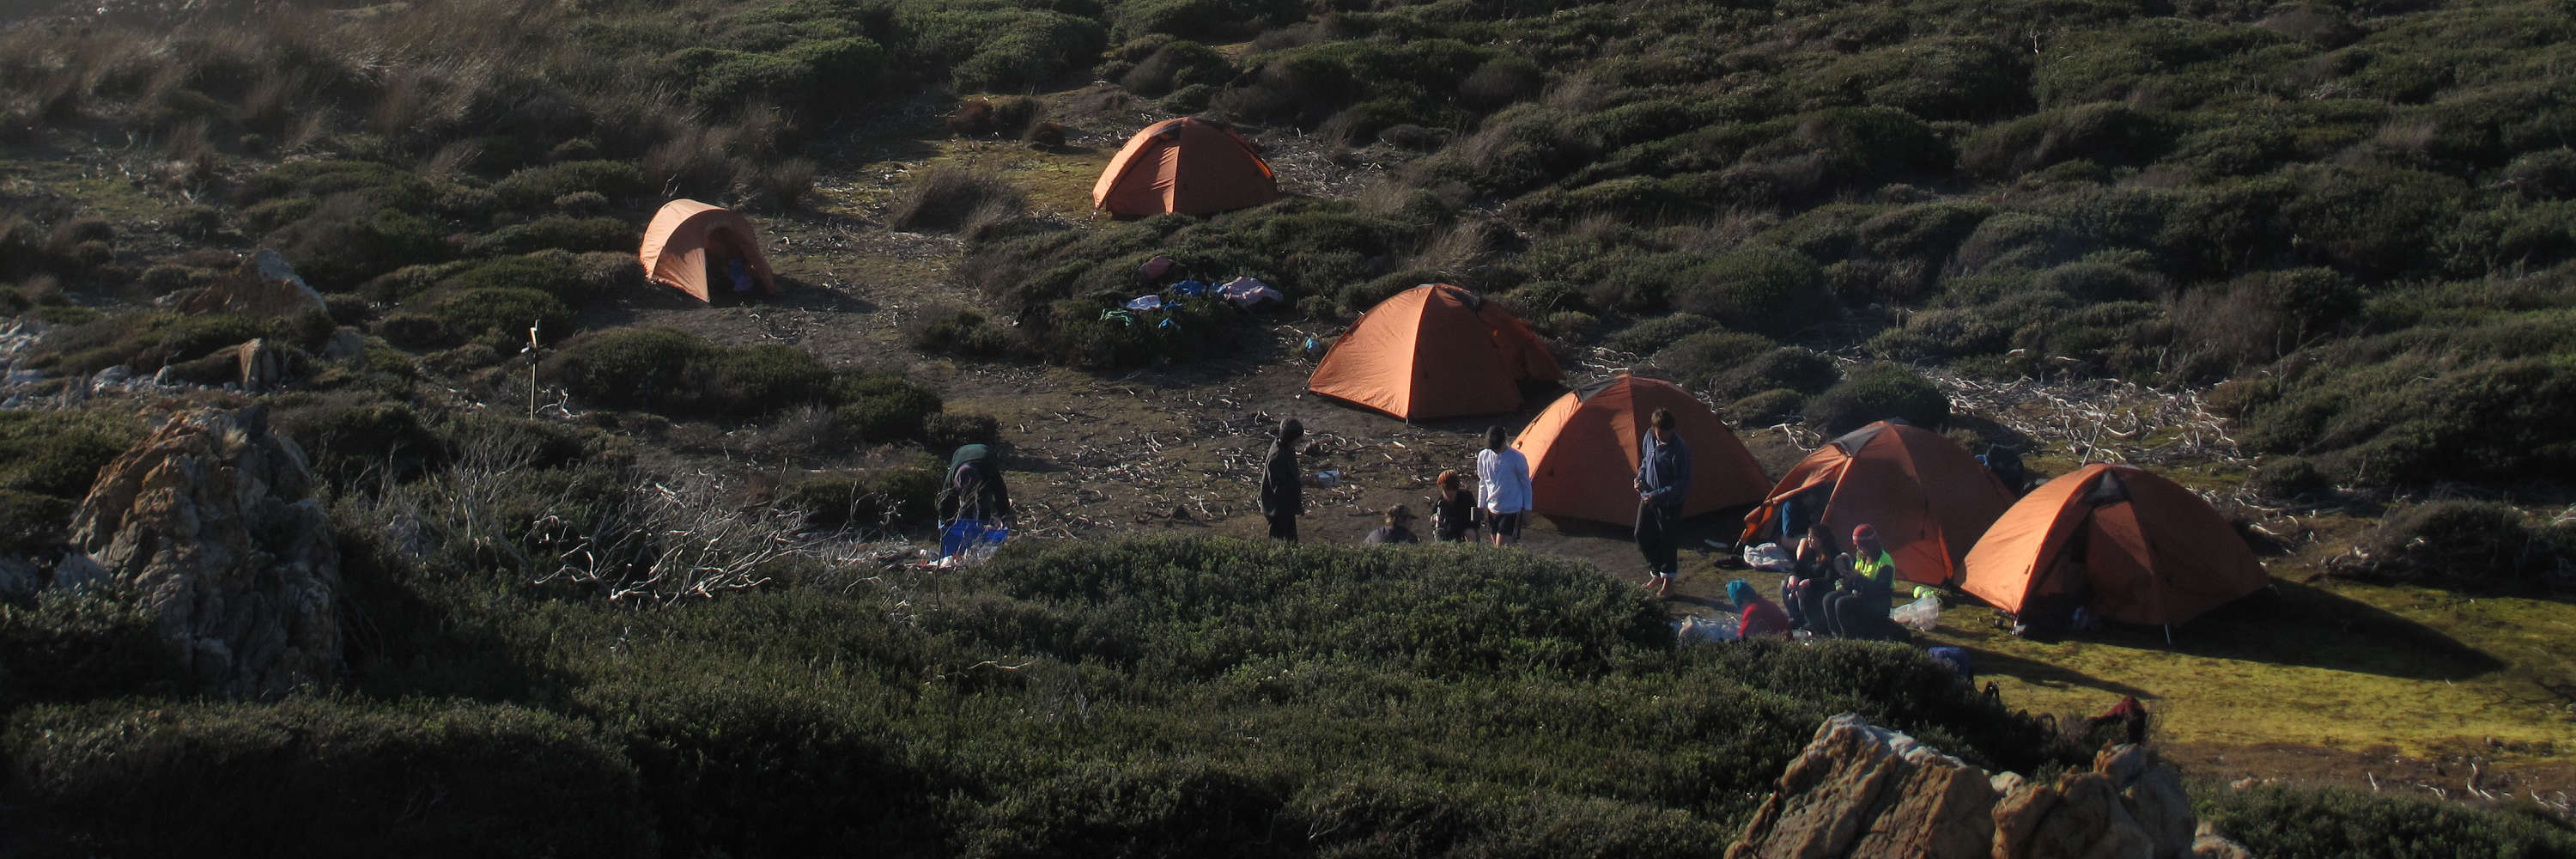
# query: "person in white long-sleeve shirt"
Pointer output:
{"type": "Point", "coordinates": [1502, 487]}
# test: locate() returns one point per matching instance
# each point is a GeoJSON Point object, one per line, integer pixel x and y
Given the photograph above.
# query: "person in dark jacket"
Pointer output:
{"type": "Point", "coordinates": [1810, 578]}
{"type": "Point", "coordinates": [1398, 528]}
{"type": "Point", "coordinates": [974, 488]}
{"type": "Point", "coordinates": [1282, 496]}
{"type": "Point", "coordinates": [1453, 514]}
{"type": "Point", "coordinates": [1663, 481]}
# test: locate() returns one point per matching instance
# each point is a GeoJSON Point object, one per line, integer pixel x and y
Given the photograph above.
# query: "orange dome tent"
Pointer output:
{"type": "Point", "coordinates": [1434, 351]}
{"type": "Point", "coordinates": [689, 243]}
{"type": "Point", "coordinates": [1184, 166]}
{"type": "Point", "coordinates": [1583, 452]}
{"type": "Point", "coordinates": [1928, 499]}
{"type": "Point", "coordinates": [2132, 546]}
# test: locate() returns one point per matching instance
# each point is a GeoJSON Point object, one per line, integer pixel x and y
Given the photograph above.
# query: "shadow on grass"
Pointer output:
{"type": "Point", "coordinates": [2296, 624]}
{"type": "Point", "coordinates": [2302, 626]}
{"type": "Point", "coordinates": [2039, 673]}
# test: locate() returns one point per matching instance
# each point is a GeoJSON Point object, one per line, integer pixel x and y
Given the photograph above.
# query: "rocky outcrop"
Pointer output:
{"type": "Point", "coordinates": [211, 526]}
{"type": "Point", "coordinates": [1859, 790]}
{"type": "Point", "coordinates": [262, 285]}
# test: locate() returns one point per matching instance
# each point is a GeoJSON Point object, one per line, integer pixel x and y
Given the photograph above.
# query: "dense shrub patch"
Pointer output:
{"type": "Point", "coordinates": [2297, 822]}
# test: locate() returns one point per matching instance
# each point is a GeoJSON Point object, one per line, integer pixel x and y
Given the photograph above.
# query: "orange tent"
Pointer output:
{"type": "Point", "coordinates": [2132, 546]}
{"type": "Point", "coordinates": [1434, 351]}
{"type": "Point", "coordinates": [1184, 166]}
{"type": "Point", "coordinates": [689, 243]}
{"type": "Point", "coordinates": [1583, 452]}
{"type": "Point", "coordinates": [1928, 499]}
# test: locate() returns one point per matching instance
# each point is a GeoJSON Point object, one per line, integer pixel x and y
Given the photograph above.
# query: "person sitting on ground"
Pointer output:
{"type": "Point", "coordinates": [1662, 482]}
{"type": "Point", "coordinates": [974, 488]}
{"type": "Point", "coordinates": [1858, 608]}
{"type": "Point", "coordinates": [1453, 515]}
{"type": "Point", "coordinates": [1760, 616]}
{"type": "Point", "coordinates": [1502, 487]}
{"type": "Point", "coordinates": [1802, 591]}
{"type": "Point", "coordinates": [740, 274]}
{"type": "Point", "coordinates": [1398, 528]}
{"type": "Point", "coordinates": [1283, 495]}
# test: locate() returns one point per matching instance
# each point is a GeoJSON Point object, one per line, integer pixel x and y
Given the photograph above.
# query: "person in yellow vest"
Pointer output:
{"type": "Point", "coordinates": [1858, 606]}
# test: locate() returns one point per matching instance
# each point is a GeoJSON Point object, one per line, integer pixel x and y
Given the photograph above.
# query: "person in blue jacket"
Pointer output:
{"type": "Point", "coordinates": [1663, 481]}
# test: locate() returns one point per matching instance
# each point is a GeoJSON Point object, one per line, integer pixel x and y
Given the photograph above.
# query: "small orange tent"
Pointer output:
{"type": "Point", "coordinates": [689, 243]}
{"type": "Point", "coordinates": [1434, 351]}
{"type": "Point", "coordinates": [1583, 452]}
{"type": "Point", "coordinates": [2132, 546]}
{"type": "Point", "coordinates": [1184, 166]}
{"type": "Point", "coordinates": [1928, 498]}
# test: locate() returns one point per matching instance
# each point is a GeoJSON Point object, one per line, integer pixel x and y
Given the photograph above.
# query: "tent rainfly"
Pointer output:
{"type": "Point", "coordinates": [1185, 167]}
{"type": "Point", "coordinates": [2129, 545]}
{"type": "Point", "coordinates": [1434, 351]}
{"type": "Point", "coordinates": [689, 245]}
{"type": "Point", "coordinates": [1583, 452]}
{"type": "Point", "coordinates": [1927, 497]}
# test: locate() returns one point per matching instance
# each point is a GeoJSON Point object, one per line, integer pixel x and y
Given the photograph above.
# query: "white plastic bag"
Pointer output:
{"type": "Point", "coordinates": [1769, 558]}
{"type": "Point", "coordinates": [1703, 630]}
{"type": "Point", "coordinates": [1921, 615]}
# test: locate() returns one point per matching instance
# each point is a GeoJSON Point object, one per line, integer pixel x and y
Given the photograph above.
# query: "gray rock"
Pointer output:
{"type": "Point", "coordinates": [210, 525]}
{"type": "Point", "coordinates": [1863, 791]}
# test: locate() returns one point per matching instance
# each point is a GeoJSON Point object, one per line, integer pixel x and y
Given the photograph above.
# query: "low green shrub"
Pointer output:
{"type": "Point", "coordinates": [500, 316]}
{"type": "Point", "coordinates": [1801, 371]}
{"type": "Point", "coordinates": [352, 237]}
{"type": "Point", "coordinates": [1765, 408]}
{"type": "Point", "coordinates": [1696, 360]}
{"type": "Point", "coordinates": [2476, 546]}
{"type": "Point", "coordinates": [2313, 823]}
{"type": "Point", "coordinates": [319, 776]}
{"type": "Point", "coordinates": [888, 499]}
{"type": "Point", "coordinates": [677, 374]}
{"type": "Point", "coordinates": [1768, 289]}
{"type": "Point", "coordinates": [70, 646]}
{"type": "Point", "coordinates": [951, 199]}
{"type": "Point", "coordinates": [533, 189]}
{"type": "Point", "coordinates": [943, 330]}
{"type": "Point", "coordinates": [947, 431]}
{"type": "Point", "coordinates": [559, 232]}
{"type": "Point", "coordinates": [347, 436]}
{"type": "Point", "coordinates": [1874, 393]}
{"type": "Point", "coordinates": [1652, 335]}
{"type": "Point", "coordinates": [143, 341]}
{"type": "Point", "coordinates": [882, 408]}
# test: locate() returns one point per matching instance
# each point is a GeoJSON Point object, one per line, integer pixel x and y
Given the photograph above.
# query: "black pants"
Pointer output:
{"type": "Point", "coordinates": [1856, 616]}
{"type": "Point", "coordinates": [1282, 525]}
{"type": "Point", "coordinates": [1656, 538]}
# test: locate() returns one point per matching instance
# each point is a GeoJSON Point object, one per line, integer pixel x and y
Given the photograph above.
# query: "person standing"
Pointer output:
{"type": "Point", "coordinates": [1398, 528]}
{"type": "Point", "coordinates": [1662, 482]}
{"type": "Point", "coordinates": [1859, 608]}
{"type": "Point", "coordinates": [1502, 487]}
{"type": "Point", "coordinates": [1453, 514]}
{"type": "Point", "coordinates": [1282, 495]}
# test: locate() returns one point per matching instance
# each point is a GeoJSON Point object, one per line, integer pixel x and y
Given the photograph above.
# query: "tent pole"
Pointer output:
{"type": "Point", "coordinates": [2168, 635]}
